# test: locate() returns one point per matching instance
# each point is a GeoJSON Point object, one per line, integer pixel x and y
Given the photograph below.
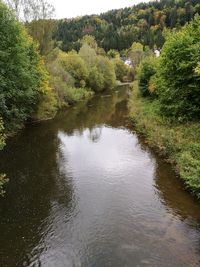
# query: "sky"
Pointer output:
{"type": "Point", "coordinates": [74, 8]}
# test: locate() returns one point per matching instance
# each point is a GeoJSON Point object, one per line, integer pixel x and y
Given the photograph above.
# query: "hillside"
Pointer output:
{"type": "Point", "coordinates": [118, 29]}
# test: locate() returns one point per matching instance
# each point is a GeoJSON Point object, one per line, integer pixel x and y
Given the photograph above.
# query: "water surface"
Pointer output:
{"type": "Point", "coordinates": [86, 191]}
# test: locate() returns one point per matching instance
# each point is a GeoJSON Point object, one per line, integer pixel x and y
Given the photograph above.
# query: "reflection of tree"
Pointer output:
{"type": "Point", "coordinates": [30, 162]}
{"type": "Point", "coordinates": [170, 189]}
{"type": "Point", "coordinates": [109, 109]}
{"type": "Point", "coordinates": [173, 195]}
{"type": "Point", "coordinates": [95, 134]}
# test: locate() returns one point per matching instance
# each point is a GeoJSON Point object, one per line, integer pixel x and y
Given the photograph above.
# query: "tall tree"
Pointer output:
{"type": "Point", "coordinates": [28, 10]}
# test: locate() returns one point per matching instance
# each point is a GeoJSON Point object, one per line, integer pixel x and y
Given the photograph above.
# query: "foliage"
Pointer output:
{"type": "Point", "coordinates": [178, 142]}
{"type": "Point", "coordinates": [42, 32]}
{"type": "Point", "coordinates": [76, 94]}
{"type": "Point", "coordinates": [3, 179]}
{"type": "Point", "coordinates": [112, 53]}
{"type": "Point", "coordinates": [96, 79]}
{"type": "Point", "coordinates": [29, 10]}
{"type": "Point", "coordinates": [3, 182]}
{"type": "Point", "coordinates": [118, 29]}
{"type": "Point", "coordinates": [22, 76]}
{"type": "Point", "coordinates": [146, 70]}
{"type": "Point", "coordinates": [106, 68]}
{"type": "Point", "coordinates": [75, 66]}
{"type": "Point", "coordinates": [178, 82]}
{"type": "Point", "coordinates": [136, 53]}
{"type": "Point", "coordinates": [121, 69]}
{"type": "Point", "coordinates": [90, 41]}
{"type": "Point", "coordinates": [63, 82]}
{"type": "Point", "coordinates": [88, 54]}
{"type": "Point", "coordinates": [2, 135]}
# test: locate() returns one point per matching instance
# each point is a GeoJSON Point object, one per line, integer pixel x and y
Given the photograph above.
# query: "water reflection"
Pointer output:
{"type": "Point", "coordinates": [85, 190]}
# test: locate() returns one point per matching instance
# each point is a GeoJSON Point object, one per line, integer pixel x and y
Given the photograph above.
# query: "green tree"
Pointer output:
{"type": "Point", "coordinates": [112, 53]}
{"type": "Point", "coordinates": [88, 54]}
{"type": "Point", "coordinates": [136, 53]}
{"type": "Point", "coordinates": [146, 71]}
{"type": "Point", "coordinates": [106, 68]}
{"type": "Point", "coordinates": [121, 69]}
{"type": "Point", "coordinates": [22, 73]}
{"type": "Point", "coordinates": [42, 32]}
{"type": "Point", "coordinates": [76, 67]}
{"type": "Point", "coordinates": [178, 83]}
{"type": "Point", "coordinates": [96, 79]}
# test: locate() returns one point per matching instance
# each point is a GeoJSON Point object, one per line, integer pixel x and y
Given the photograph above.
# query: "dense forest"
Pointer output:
{"type": "Point", "coordinates": [118, 29]}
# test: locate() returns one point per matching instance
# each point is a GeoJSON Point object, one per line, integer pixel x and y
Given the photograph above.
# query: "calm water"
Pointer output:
{"type": "Point", "coordinates": [86, 191]}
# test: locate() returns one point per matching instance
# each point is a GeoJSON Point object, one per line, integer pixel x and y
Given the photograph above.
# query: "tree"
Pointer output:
{"type": "Point", "coordinates": [136, 53]}
{"type": "Point", "coordinates": [178, 83]}
{"type": "Point", "coordinates": [90, 41]}
{"type": "Point", "coordinates": [37, 14]}
{"type": "Point", "coordinates": [112, 53]}
{"type": "Point", "coordinates": [106, 67]}
{"type": "Point", "coordinates": [42, 32]}
{"type": "Point", "coordinates": [121, 69]}
{"type": "Point", "coordinates": [146, 71]}
{"type": "Point", "coordinates": [23, 76]}
{"type": "Point", "coordinates": [76, 67]}
{"type": "Point", "coordinates": [96, 79]}
{"type": "Point", "coordinates": [29, 10]}
{"type": "Point", "coordinates": [88, 54]}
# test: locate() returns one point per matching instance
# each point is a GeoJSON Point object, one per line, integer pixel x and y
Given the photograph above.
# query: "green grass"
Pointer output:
{"type": "Point", "coordinates": [179, 142]}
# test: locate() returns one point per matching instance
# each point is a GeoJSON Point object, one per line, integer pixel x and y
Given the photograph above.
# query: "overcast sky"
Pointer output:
{"type": "Point", "coordinates": [74, 8]}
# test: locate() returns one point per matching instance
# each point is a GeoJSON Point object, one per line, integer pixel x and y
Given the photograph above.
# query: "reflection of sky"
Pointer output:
{"type": "Point", "coordinates": [116, 217]}
{"type": "Point", "coordinates": [114, 153]}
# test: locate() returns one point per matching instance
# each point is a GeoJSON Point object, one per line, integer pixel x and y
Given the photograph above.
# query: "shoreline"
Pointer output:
{"type": "Point", "coordinates": [177, 143]}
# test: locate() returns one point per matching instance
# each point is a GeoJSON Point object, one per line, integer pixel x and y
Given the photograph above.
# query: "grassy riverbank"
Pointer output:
{"type": "Point", "coordinates": [180, 143]}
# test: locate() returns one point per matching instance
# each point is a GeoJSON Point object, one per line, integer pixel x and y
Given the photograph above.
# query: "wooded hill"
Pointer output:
{"type": "Point", "coordinates": [118, 29]}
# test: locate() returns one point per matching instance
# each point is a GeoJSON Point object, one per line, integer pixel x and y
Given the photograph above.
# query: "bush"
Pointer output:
{"type": "Point", "coordinates": [146, 71]}
{"type": "Point", "coordinates": [178, 82]}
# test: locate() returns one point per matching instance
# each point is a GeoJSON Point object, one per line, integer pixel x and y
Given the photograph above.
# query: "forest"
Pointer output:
{"type": "Point", "coordinates": [118, 29]}
{"type": "Point", "coordinates": [48, 64]}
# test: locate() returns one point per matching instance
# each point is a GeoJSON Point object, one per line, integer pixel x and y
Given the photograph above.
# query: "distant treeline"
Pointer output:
{"type": "Point", "coordinates": [118, 29]}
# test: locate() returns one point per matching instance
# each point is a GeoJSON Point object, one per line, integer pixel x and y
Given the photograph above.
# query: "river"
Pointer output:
{"type": "Point", "coordinates": [86, 191]}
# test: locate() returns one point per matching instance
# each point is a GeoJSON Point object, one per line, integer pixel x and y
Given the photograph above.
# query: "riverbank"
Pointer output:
{"type": "Point", "coordinates": [179, 143]}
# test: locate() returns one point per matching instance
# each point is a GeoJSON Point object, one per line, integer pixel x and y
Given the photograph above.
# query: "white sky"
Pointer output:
{"type": "Point", "coordinates": [74, 8]}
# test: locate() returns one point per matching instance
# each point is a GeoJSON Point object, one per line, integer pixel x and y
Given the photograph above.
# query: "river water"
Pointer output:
{"type": "Point", "coordinates": [86, 191]}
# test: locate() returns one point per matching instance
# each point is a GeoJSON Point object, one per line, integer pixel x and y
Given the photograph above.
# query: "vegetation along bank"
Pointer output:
{"type": "Point", "coordinates": [165, 102]}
